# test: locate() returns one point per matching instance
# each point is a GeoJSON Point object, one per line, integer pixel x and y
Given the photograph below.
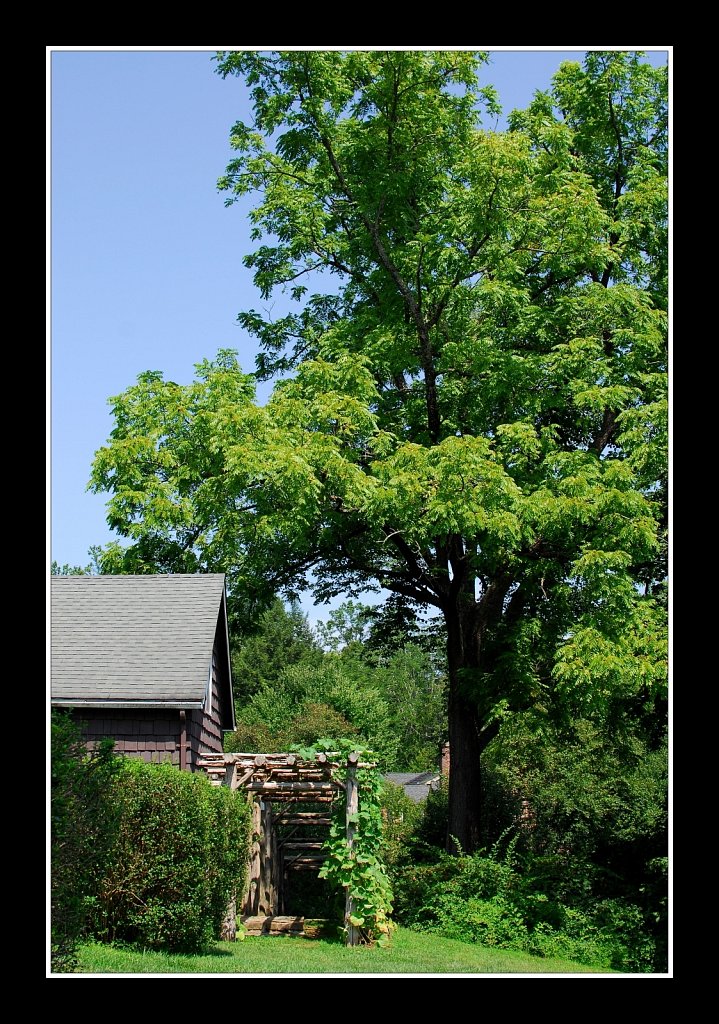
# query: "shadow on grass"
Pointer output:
{"type": "Point", "coordinates": [128, 947]}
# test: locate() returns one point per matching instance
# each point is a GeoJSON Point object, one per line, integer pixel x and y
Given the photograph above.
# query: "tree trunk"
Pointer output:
{"type": "Point", "coordinates": [465, 746]}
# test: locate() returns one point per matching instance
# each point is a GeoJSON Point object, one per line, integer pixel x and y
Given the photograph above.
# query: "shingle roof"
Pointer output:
{"type": "Point", "coordinates": [417, 793]}
{"type": "Point", "coordinates": [145, 639]}
{"type": "Point", "coordinates": [411, 778]}
{"type": "Point", "coordinates": [416, 785]}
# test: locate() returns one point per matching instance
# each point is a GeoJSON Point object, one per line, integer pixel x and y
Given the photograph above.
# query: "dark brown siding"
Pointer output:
{"type": "Point", "coordinates": [153, 735]}
{"type": "Point", "coordinates": [204, 728]}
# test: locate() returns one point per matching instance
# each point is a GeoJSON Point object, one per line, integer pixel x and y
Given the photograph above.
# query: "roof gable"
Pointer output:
{"type": "Point", "coordinates": [136, 640]}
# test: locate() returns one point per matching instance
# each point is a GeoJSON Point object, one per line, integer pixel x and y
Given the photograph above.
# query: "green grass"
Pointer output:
{"type": "Point", "coordinates": [409, 953]}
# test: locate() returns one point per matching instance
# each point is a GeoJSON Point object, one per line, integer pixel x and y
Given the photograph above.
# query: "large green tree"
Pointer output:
{"type": "Point", "coordinates": [472, 407]}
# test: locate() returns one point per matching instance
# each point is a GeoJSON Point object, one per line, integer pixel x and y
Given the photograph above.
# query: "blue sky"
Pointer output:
{"type": "Point", "coordinates": [146, 260]}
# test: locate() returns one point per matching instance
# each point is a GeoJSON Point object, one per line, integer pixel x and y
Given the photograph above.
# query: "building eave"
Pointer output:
{"type": "Point", "coordinates": [187, 705]}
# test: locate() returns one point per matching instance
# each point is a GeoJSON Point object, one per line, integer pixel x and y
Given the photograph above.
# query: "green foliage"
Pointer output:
{"type": "Point", "coordinates": [414, 687]}
{"type": "Point", "coordinates": [389, 694]}
{"type": "Point", "coordinates": [83, 826]}
{"type": "Point", "coordinates": [345, 627]}
{"type": "Point", "coordinates": [359, 868]}
{"type": "Point", "coordinates": [68, 570]}
{"type": "Point", "coordinates": [479, 899]}
{"type": "Point", "coordinates": [431, 832]}
{"type": "Point", "coordinates": [181, 854]}
{"type": "Point", "coordinates": [304, 700]}
{"type": "Point", "coordinates": [577, 815]}
{"type": "Point", "coordinates": [281, 637]}
{"type": "Point", "coordinates": [592, 799]}
{"type": "Point", "coordinates": [304, 726]}
{"type": "Point", "coordinates": [92, 569]}
{"type": "Point", "coordinates": [591, 809]}
{"type": "Point", "coordinates": [400, 621]}
{"type": "Point", "coordinates": [400, 816]}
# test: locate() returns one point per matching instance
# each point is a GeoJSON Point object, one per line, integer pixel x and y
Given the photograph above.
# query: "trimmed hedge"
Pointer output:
{"type": "Point", "coordinates": [181, 853]}
{"type": "Point", "coordinates": [83, 825]}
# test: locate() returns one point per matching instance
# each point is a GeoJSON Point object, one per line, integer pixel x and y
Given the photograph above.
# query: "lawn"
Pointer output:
{"type": "Point", "coordinates": [409, 953]}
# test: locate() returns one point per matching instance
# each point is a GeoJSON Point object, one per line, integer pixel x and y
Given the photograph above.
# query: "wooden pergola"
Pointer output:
{"type": "Point", "coordinates": [280, 786]}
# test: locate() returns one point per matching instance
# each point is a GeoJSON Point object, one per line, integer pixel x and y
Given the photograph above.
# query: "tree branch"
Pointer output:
{"type": "Point", "coordinates": [606, 432]}
{"type": "Point", "coordinates": [430, 375]}
{"type": "Point", "coordinates": [411, 558]}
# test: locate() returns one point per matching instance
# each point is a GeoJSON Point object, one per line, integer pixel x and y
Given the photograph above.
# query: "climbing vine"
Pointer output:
{"type": "Point", "coordinates": [356, 865]}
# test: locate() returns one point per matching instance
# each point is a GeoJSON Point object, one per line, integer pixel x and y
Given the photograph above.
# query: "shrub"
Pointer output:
{"type": "Point", "coordinates": [181, 853]}
{"type": "Point", "coordinates": [478, 899]}
{"type": "Point", "coordinates": [400, 817]}
{"type": "Point", "coordinates": [83, 825]}
{"type": "Point", "coordinates": [304, 726]}
{"type": "Point", "coordinates": [431, 833]}
{"type": "Point", "coordinates": [428, 895]}
{"type": "Point", "coordinates": [596, 832]}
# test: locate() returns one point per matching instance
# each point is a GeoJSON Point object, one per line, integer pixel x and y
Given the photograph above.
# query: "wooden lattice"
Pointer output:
{"type": "Point", "coordinates": [286, 779]}
{"type": "Point", "coordinates": [275, 777]}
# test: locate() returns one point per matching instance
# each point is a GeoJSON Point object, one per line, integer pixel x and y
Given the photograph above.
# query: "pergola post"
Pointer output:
{"type": "Point", "coordinates": [353, 934]}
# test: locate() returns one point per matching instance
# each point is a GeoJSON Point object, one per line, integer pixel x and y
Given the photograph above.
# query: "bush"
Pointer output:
{"type": "Point", "coordinates": [576, 820]}
{"type": "Point", "coordinates": [303, 727]}
{"type": "Point", "coordinates": [83, 826]}
{"type": "Point", "coordinates": [593, 828]}
{"type": "Point", "coordinates": [427, 895]}
{"type": "Point", "coordinates": [478, 899]}
{"type": "Point", "coordinates": [400, 817]}
{"type": "Point", "coordinates": [181, 854]}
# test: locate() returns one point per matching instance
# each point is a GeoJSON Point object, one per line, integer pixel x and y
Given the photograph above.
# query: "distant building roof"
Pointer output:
{"type": "Point", "coordinates": [416, 785]}
{"type": "Point", "coordinates": [136, 641]}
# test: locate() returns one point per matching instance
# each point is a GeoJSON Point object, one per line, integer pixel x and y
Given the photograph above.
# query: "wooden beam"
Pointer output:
{"type": "Point", "coordinates": [262, 924]}
{"type": "Point", "coordinates": [310, 844]}
{"type": "Point", "coordinates": [268, 863]}
{"type": "Point", "coordinates": [237, 782]}
{"type": "Point", "coordinates": [293, 787]}
{"type": "Point", "coordinates": [252, 898]}
{"type": "Point", "coordinates": [304, 818]}
{"type": "Point", "coordinates": [353, 935]}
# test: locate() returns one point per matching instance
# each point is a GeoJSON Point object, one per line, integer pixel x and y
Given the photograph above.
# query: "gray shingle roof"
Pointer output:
{"type": "Point", "coordinates": [411, 778]}
{"type": "Point", "coordinates": [417, 793]}
{"type": "Point", "coordinates": [136, 639]}
{"type": "Point", "coordinates": [416, 785]}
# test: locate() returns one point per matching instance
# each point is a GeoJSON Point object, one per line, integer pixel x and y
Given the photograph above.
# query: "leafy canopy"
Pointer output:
{"type": "Point", "coordinates": [476, 413]}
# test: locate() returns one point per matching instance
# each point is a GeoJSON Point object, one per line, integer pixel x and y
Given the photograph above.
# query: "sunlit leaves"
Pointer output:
{"type": "Point", "coordinates": [456, 487]}
{"type": "Point", "coordinates": [595, 665]}
{"type": "Point", "coordinates": [476, 393]}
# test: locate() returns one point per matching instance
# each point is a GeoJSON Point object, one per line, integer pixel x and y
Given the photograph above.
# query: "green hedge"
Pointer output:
{"type": "Point", "coordinates": [181, 852]}
{"type": "Point", "coordinates": [83, 825]}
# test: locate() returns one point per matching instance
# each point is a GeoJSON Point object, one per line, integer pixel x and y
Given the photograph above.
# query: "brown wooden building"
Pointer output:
{"type": "Point", "coordinates": [146, 661]}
